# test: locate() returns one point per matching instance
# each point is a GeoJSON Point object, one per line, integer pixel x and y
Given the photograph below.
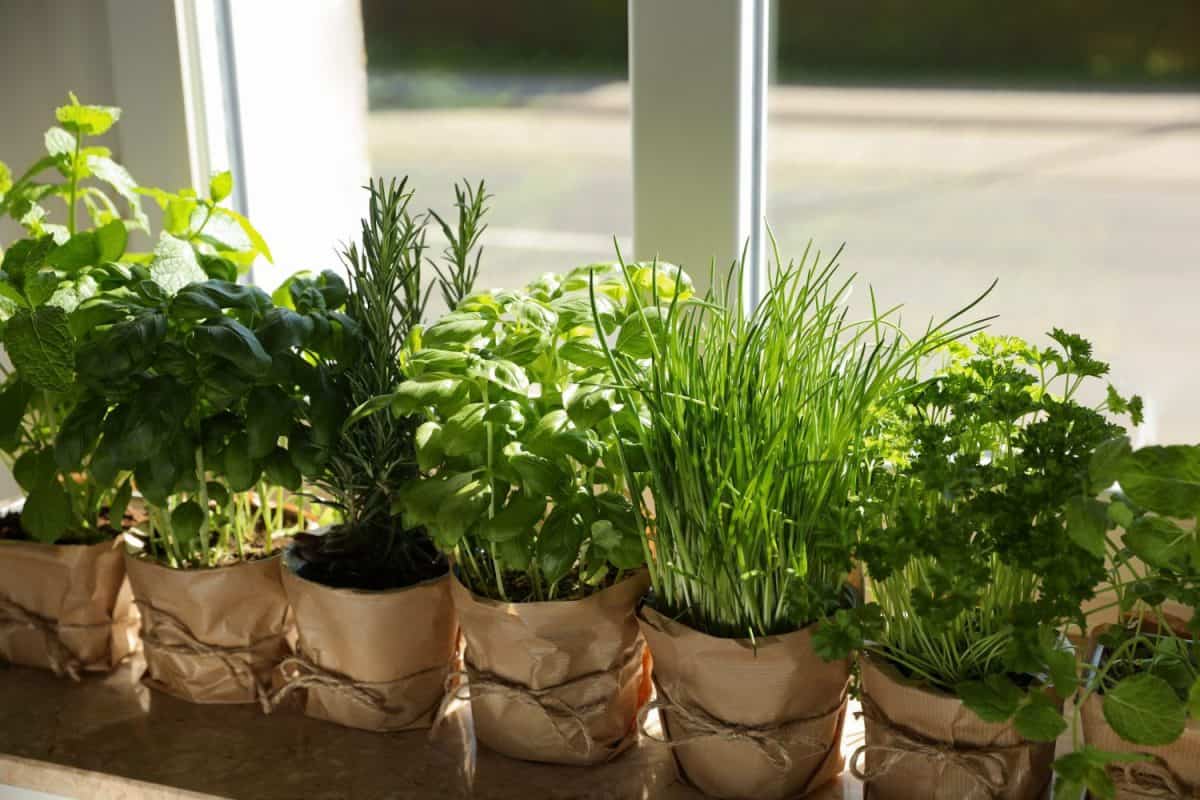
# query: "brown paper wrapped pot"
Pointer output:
{"type": "Point", "coordinates": [746, 719]}
{"type": "Point", "coordinates": [65, 607]}
{"type": "Point", "coordinates": [212, 635]}
{"type": "Point", "coordinates": [921, 742]}
{"type": "Point", "coordinates": [1172, 771]}
{"type": "Point", "coordinates": [375, 660]}
{"type": "Point", "coordinates": [559, 681]}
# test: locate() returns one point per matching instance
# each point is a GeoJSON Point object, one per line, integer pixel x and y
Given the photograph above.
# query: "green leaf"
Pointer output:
{"type": "Point", "coordinates": [640, 332]}
{"type": "Point", "coordinates": [539, 476]}
{"type": "Point", "coordinates": [1107, 462]}
{"type": "Point", "coordinates": [60, 142]}
{"type": "Point", "coordinates": [558, 543]}
{"type": "Point", "coordinates": [443, 394]}
{"type": "Point", "coordinates": [41, 348]}
{"type": "Point", "coordinates": [1038, 720]}
{"type": "Point", "coordinates": [588, 404]}
{"type": "Point", "coordinates": [1158, 541]}
{"type": "Point", "coordinates": [111, 240]}
{"type": "Point", "coordinates": [1087, 524]}
{"type": "Point", "coordinates": [1064, 671]}
{"type": "Point", "coordinates": [993, 699]}
{"type": "Point", "coordinates": [256, 239]}
{"type": "Point", "coordinates": [585, 351]}
{"type": "Point", "coordinates": [6, 181]}
{"type": "Point", "coordinates": [428, 439]}
{"type": "Point", "coordinates": [87, 120]}
{"type": "Point", "coordinates": [81, 250]}
{"type": "Point", "coordinates": [462, 508]}
{"type": "Point", "coordinates": [268, 418]}
{"type": "Point", "coordinates": [68, 295]}
{"type": "Point", "coordinates": [14, 400]}
{"type": "Point", "coordinates": [456, 328]}
{"type": "Point", "coordinates": [229, 339]}
{"type": "Point", "coordinates": [465, 433]}
{"type": "Point", "coordinates": [280, 470]}
{"type": "Point", "coordinates": [26, 256]}
{"type": "Point", "coordinates": [187, 518]}
{"type": "Point", "coordinates": [116, 176]}
{"type": "Point", "coordinates": [1144, 709]}
{"type": "Point", "coordinates": [177, 216]}
{"type": "Point", "coordinates": [40, 286]}
{"type": "Point", "coordinates": [516, 519]}
{"type": "Point", "coordinates": [1194, 700]}
{"type": "Point", "coordinates": [220, 186]}
{"type": "Point", "coordinates": [240, 469]}
{"type": "Point", "coordinates": [46, 515]}
{"type": "Point", "coordinates": [175, 265]}
{"type": "Point", "coordinates": [35, 468]}
{"type": "Point", "coordinates": [1164, 479]}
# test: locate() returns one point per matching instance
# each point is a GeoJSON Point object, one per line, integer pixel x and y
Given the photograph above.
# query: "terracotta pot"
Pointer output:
{"type": "Point", "coordinates": [747, 719]}
{"type": "Point", "coordinates": [212, 635]}
{"type": "Point", "coordinates": [375, 660]}
{"type": "Point", "coordinates": [921, 742]}
{"type": "Point", "coordinates": [65, 607]}
{"type": "Point", "coordinates": [559, 681]}
{"type": "Point", "coordinates": [1172, 770]}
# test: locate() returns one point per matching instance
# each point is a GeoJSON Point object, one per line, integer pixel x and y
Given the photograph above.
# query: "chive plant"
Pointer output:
{"type": "Point", "coordinates": [752, 432]}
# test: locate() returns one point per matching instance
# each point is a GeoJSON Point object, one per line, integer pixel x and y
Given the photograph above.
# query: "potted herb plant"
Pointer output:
{"type": "Point", "coordinates": [751, 435]}
{"type": "Point", "coordinates": [63, 601]}
{"type": "Point", "coordinates": [1137, 719]}
{"type": "Point", "coordinates": [966, 664]}
{"type": "Point", "coordinates": [523, 490]}
{"type": "Point", "coordinates": [188, 385]}
{"type": "Point", "coordinates": [386, 670]}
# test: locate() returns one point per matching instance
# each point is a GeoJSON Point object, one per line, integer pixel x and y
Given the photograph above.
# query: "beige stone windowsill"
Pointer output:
{"type": "Point", "coordinates": [110, 740]}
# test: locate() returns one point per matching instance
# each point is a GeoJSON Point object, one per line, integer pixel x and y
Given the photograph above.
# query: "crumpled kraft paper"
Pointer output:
{"type": "Point", "coordinates": [759, 720]}
{"type": "Point", "coordinates": [1174, 770]}
{"type": "Point", "coordinates": [375, 660]}
{"type": "Point", "coordinates": [65, 607]}
{"type": "Point", "coordinates": [212, 635]}
{"type": "Point", "coordinates": [558, 681]}
{"type": "Point", "coordinates": [921, 742]}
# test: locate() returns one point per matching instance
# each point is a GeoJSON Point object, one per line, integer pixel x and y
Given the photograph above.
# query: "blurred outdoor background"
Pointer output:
{"type": "Point", "coordinates": [1054, 144]}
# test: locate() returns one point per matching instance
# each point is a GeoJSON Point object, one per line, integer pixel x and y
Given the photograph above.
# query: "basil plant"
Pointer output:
{"type": "Point", "coordinates": [521, 451]}
{"type": "Point", "coordinates": [53, 277]}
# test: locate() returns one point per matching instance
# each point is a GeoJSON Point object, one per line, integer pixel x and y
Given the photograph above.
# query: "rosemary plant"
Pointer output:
{"type": "Point", "coordinates": [360, 464]}
{"type": "Point", "coordinates": [753, 426]}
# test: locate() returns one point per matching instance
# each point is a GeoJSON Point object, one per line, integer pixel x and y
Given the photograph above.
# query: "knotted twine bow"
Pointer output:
{"type": "Point", "coordinates": [768, 739]}
{"type": "Point", "coordinates": [1151, 779]}
{"type": "Point", "coordinates": [156, 620]}
{"type": "Point", "coordinates": [472, 683]}
{"type": "Point", "coordinates": [973, 762]}
{"type": "Point", "coordinates": [301, 673]}
{"type": "Point", "coordinates": [62, 659]}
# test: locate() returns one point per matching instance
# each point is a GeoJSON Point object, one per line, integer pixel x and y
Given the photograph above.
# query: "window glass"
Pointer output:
{"type": "Point", "coordinates": [948, 144]}
{"type": "Point", "coordinates": [530, 96]}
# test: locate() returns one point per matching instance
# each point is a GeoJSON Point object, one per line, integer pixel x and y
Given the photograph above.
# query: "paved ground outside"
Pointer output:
{"type": "Point", "coordinates": [1085, 205]}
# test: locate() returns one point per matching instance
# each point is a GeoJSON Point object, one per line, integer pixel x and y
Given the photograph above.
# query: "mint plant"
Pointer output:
{"type": "Point", "coordinates": [50, 274]}
{"type": "Point", "coordinates": [523, 439]}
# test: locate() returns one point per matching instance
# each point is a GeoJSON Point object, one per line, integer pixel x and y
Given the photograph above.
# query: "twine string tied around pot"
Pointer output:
{"type": "Point", "coordinates": [471, 683]}
{"type": "Point", "coordinates": [770, 740]}
{"type": "Point", "coordinates": [1151, 778]}
{"type": "Point", "coordinates": [300, 672]}
{"type": "Point", "coordinates": [63, 660]}
{"type": "Point", "coordinates": [157, 621]}
{"type": "Point", "coordinates": [973, 761]}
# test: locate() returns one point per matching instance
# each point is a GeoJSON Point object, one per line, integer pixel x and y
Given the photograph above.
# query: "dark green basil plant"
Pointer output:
{"type": "Point", "coordinates": [51, 282]}
{"type": "Point", "coordinates": [520, 452]}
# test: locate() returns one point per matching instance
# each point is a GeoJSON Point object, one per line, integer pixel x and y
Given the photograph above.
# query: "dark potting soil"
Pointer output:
{"type": "Point", "coordinates": [342, 559]}
{"type": "Point", "coordinates": [10, 527]}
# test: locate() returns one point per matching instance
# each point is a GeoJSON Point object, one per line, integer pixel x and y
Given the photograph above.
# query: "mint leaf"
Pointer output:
{"type": "Point", "coordinates": [88, 120]}
{"type": "Point", "coordinates": [1038, 720]}
{"type": "Point", "coordinates": [116, 176]}
{"type": "Point", "coordinates": [60, 142]}
{"type": "Point", "coordinates": [1144, 709]}
{"type": "Point", "coordinates": [41, 347]}
{"type": "Point", "coordinates": [256, 239]}
{"type": "Point", "coordinates": [111, 240]}
{"type": "Point", "coordinates": [175, 265]}
{"type": "Point", "coordinates": [1194, 700]}
{"type": "Point", "coordinates": [81, 250]}
{"type": "Point", "coordinates": [220, 186]}
{"type": "Point", "coordinates": [1165, 480]}
{"type": "Point", "coordinates": [993, 699]}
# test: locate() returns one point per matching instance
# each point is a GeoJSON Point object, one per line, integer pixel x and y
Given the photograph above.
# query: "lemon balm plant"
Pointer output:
{"type": "Point", "coordinates": [522, 442]}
